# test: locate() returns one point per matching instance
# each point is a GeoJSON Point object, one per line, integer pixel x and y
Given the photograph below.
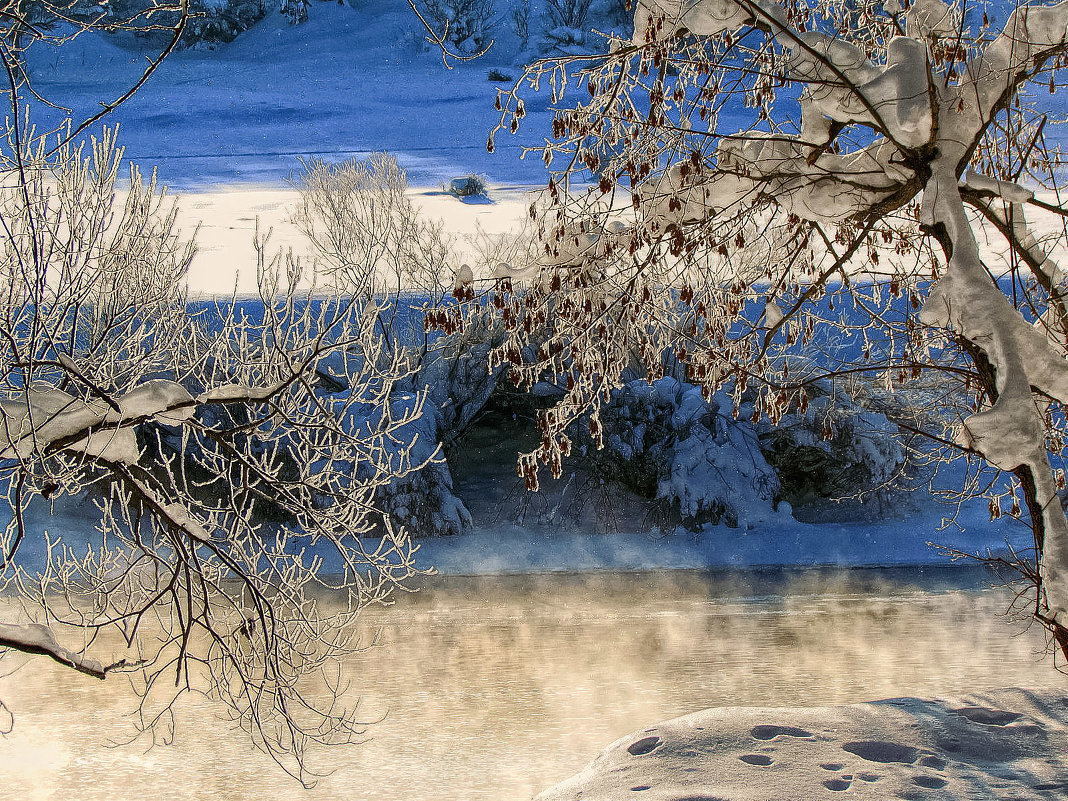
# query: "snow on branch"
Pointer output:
{"type": "Point", "coordinates": [39, 640]}
{"type": "Point", "coordinates": [758, 151]}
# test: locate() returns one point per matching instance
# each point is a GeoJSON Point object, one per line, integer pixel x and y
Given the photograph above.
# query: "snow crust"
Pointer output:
{"type": "Point", "coordinates": [1006, 743]}
{"type": "Point", "coordinates": [40, 417]}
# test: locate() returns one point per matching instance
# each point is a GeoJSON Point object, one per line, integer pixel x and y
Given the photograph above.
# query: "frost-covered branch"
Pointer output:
{"type": "Point", "coordinates": [235, 456]}
{"type": "Point", "coordinates": [750, 185]}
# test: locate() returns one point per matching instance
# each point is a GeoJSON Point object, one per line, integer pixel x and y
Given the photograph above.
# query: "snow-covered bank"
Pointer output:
{"type": "Point", "coordinates": [884, 543]}
{"type": "Point", "coordinates": [225, 221]}
{"type": "Point", "coordinates": [1003, 744]}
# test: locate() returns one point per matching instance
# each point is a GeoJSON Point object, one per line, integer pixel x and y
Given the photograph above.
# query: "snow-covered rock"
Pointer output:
{"type": "Point", "coordinates": [1001, 744]}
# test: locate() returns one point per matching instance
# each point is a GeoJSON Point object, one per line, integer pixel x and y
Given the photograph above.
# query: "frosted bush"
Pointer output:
{"type": "Point", "coordinates": [665, 442]}
{"type": "Point", "coordinates": [467, 25]}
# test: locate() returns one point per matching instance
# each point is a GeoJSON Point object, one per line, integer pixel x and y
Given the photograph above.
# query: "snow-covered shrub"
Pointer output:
{"type": "Point", "coordinates": [467, 186]}
{"type": "Point", "coordinates": [521, 21]}
{"type": "Point", "coordinates": [567, 13]}
{"type": "Point", "coordinates": [665, 442]}
{"type": "Point", "coordinates": [565, 29]}
{"type": "Point", "coordinates": [833, 449]}
{"type": "Point", "coordinates": [564, 40]}
{"type": "Point", "coordinates": [455, 379]}
{"type": "Point", "coordinates": [424, 501]}
{"type": "Point", "coordinates": [296, 11]}
{"type": "Point", "coordinates": [220, 21]}
{"type": "Point", "coordinates": [466, 25]}
{"type": "Point", "coordinates": [210, 22]}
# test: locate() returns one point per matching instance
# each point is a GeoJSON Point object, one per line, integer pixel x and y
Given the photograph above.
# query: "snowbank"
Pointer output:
{"type": "Point", "coordinates": [1002, 744]}
{"type": "Point", "coordinates": [506, 549]}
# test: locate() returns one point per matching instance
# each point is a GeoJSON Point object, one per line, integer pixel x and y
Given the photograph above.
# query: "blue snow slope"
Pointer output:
{"type": "Point", "coordinates": [347, 82]}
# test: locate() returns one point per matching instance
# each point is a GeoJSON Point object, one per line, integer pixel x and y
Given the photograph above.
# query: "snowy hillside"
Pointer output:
{"type": "Point", "coordinates": [351, 80]}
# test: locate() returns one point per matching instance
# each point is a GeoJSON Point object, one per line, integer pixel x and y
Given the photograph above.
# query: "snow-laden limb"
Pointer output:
{"type": "Point", "coordinates": [38, 420]}
{"type": "Point", "coordinates": [1011, 434]}
{"type": "Point", "coordinates": [234, 460]}
{"type": "Point", "coordinates": [661, 19]}
{"type": "Point", "coordinates": [830, 188]}
{"type": "Point", "coordinates": [1009, 191]}
{"type": "Point", "coordinates": [1031, 35]}
{"type": "Point", "coordinates": [842, 85]}
{"type": "Point", "coordinates": [38, 639]}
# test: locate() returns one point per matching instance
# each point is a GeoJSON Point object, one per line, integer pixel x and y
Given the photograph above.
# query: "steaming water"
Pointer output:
{"type": "Point", "coordinates": [496, 688]}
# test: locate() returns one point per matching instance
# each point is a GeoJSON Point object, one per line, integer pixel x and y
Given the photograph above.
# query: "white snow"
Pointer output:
{"type": "Point", "coordinates": [1000, 744]}
{"type": "Point", "coordinates": [319, 90]}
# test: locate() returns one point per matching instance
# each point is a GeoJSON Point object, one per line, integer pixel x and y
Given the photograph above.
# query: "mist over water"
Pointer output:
{"type": "Point", "coordinates": [497, 687]}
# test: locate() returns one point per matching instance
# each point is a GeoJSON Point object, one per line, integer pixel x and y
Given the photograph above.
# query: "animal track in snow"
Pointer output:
{"type": "Point", "coordinates": [643, 746]}
{"type": "Point", "coordinates": [771, 732]}
{"type": "Point", "coordinates": [881, 751]}
{"type": "Point", "coordinates": [987, 716]}
{"type": "Point", "coordinates": [756, 759]}
{"type": "Point", "coordinates": [929, 782]}
{"type": "Point", "coordinates": [838, 784]}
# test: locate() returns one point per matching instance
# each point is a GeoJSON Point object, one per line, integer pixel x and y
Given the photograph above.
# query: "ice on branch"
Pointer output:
{"type": "Point", "coordinates": [1007, 190]}
{"type": "Point", "coordinates": [843, 86]}
{"type": "Point", "coordinates": [661, 19]}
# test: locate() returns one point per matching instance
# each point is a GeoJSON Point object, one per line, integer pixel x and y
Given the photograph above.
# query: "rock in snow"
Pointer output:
{"type": "Point", "coordinates": [1001, 744]}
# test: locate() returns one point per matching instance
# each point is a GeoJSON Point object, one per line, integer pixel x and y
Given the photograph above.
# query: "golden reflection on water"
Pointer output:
{"type": "Point", "coordinates": [495, 688]}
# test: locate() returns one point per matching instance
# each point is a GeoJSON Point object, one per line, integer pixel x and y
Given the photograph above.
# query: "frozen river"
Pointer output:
{"type": "Point", "coordinates": [495, 688]}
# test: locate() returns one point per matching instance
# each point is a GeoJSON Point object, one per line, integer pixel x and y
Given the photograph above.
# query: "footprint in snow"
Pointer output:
{"type": "Point", "coordinates": [987, 716]}
{"type": "Point", "coordinates": [929, 782]}
{"type": "Point", "coordinates": [832, 766]}
{"type": "Point", "coordinates": [644, 746]}
{"type": "Point", "coordinates": [771, 732]}
{"type": "Point", "coordinates": [763, 760]}
{"type": "Point", "coordinates": [879, 751]}
{"type": "Point", "coordinates": [838, 784]}
{"type": "Point", "coordinates": [933, 762]}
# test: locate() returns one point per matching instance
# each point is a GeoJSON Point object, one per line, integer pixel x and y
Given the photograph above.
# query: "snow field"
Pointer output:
{"type": "Point", "coordinates": [1002, 744]}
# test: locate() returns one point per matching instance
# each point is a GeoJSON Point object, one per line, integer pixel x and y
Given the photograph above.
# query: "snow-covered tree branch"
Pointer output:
{"type": "Point", "coordinates": [233, 452]}
{"type": "Point", "coordinates": [848, 176]}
